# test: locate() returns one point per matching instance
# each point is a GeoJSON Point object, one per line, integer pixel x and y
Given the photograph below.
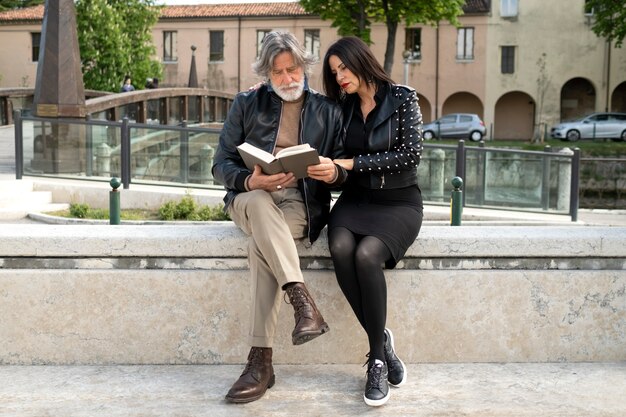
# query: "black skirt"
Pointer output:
{"type": "Point", "coordinates": [393, 216]}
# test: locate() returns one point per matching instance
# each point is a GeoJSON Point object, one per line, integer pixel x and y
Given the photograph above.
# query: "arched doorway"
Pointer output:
{"type": "Point", "coordinates": [618, 98]}
{"type": "Point", "coordinates": [514, 116]}
{"type": "Point", "coordinates": [463, 103]}
{"type": "Point", "coordinates": [425, 108]}
{"type": "Point", "coordinates": [578, 98]}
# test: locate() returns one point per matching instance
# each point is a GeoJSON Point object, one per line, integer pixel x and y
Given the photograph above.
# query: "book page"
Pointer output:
{"type": "Point", "coordinates": [293, 149]}
{"type": "Point", "coordinates": [256, 152]}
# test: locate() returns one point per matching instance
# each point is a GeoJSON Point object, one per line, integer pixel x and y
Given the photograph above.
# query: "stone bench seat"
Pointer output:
{"type": "Point", "coordinates": [179, 294]}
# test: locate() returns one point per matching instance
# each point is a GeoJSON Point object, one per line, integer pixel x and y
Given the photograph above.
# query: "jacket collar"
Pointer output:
{"type": "Point", "coordinates": [386, 107]}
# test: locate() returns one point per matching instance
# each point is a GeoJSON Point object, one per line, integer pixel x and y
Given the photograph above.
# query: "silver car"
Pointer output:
{"type": "Point", "coordinates": [455, 125]}
{"type": "Point", "coordinates": [596, 125]}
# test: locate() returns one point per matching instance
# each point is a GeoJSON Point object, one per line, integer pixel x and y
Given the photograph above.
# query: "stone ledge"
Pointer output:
{"type": "Point", "coordinates": [179, 295]}
{"type": "Point", "coordinates": [225, 240]}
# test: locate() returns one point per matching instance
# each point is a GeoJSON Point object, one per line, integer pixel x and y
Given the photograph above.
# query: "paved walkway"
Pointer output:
{"type": "Point", "coordinates": [468, 390]}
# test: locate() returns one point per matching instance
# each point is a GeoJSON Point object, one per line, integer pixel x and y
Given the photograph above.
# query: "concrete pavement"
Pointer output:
{"type": "Point", "coordinates": [468, 390]}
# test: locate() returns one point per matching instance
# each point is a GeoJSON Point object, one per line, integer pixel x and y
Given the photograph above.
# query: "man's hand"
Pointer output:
{"type": "Point", "coordinates": [325, 171]}
{"type": "Point", "coordinates": [260, 181]}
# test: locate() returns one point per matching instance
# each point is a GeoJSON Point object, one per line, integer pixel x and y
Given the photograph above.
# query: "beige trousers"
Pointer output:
{"type": "Point", "coordinates": [273, 221]}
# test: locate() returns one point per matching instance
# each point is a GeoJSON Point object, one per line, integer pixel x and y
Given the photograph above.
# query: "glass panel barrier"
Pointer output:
{"type": "Point", "coordinates": [176, 155]}
{"type": "Point", "coordinates": [437, 168]}
{"type": "Point", "coordinates": [156, 154]}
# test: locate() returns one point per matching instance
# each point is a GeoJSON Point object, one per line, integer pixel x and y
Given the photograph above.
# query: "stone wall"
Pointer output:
{"type": "Point", "coordinates": [172, 294]}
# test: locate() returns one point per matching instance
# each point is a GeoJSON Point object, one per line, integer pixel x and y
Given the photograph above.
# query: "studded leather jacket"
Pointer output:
{"type": "Point", "coordinates": [255, 118]}
{"type": "Point", "coordinates": [394, 144]}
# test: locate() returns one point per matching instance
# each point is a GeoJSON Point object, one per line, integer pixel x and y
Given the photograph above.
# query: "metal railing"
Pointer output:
{"type": "Point", "coordinates": [535, 181]}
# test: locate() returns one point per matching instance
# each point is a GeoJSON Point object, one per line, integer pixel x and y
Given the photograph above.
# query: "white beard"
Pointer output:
{"type": "Point", "coordinates": [290, 95]}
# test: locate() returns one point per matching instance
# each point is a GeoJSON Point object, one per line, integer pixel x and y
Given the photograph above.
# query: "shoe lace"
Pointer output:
{"type": "Point", "coordinates": [375, 376]}
{"type": "Point", "coordinates": [255, 360]}
{"type": "Point", "coordinates": [297, 298]}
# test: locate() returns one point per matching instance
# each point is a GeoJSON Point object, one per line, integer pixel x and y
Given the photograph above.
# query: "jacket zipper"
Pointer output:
{"type": "Point", "coordinates": [382, 184]}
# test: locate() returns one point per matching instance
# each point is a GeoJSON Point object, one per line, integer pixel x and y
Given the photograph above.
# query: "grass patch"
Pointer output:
{"type": "Point", "coordinates": [184, 210]}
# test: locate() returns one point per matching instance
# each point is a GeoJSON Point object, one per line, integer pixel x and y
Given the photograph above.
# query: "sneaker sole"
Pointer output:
{"type": "Point", "coordinates": [393, 347]}
{"type": "Point", "coordinates": [306, 337]}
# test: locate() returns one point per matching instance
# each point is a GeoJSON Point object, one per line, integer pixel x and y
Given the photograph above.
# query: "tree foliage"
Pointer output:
{"type": "Point", "coordinates": [18, 4]}
{"type": "Point", "coordinates": [115, 40]}
{"type": "Point", "coordinates": [609, 19]}
{"type": "Point", "coordinates": [355, 17]}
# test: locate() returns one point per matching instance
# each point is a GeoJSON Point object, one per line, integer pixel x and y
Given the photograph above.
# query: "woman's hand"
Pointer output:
{"type": "Point", "coordinates": [324, 171]}
{"type": "Point", "coordinates": [347, 164]}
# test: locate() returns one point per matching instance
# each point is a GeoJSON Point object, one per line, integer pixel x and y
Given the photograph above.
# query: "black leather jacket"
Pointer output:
{"type": "Point", "coordinates": [255, 117]}
{"type": "Point", "coordinates": [395, 142]}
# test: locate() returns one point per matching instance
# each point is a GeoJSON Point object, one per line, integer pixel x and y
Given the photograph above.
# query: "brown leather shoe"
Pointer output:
{"type": "Point", "coordinates": [309, 321]}
{"type": "Point", "coordinates": [257, 377]}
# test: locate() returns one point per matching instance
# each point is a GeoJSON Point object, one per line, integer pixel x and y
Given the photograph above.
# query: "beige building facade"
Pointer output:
{"type": "Point", "coordinates": [521, 66]}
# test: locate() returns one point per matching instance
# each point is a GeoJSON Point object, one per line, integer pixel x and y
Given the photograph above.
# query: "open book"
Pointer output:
{"type": "Point", "coordinates": [292, 159]}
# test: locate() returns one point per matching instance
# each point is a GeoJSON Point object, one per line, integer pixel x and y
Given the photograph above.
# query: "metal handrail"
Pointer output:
{"type": "Point", "coordinates": [182, 155]}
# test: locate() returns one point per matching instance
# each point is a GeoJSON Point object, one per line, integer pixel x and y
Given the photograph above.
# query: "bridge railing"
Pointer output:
{"type": "Point", "coordinates": [166, 106]}
{"type": "Point", "coordinates": [507, 179]}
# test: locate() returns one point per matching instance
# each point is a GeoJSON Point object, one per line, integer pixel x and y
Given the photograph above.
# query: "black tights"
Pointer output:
{"type": "Point", "coordinates": [358, 262]}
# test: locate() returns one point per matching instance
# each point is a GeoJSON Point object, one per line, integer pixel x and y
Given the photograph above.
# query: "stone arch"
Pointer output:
{"type": "Point", "coordinates": [463, 102]}
{"type": "Point", "coordinates": [514, 116]}
{"type": "Point", "coordinates": [578, 98]}
{"type": "Point", "coordinates": [618, 98]}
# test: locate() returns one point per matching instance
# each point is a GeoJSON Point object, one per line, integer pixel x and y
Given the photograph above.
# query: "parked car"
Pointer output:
{"type": "Point", "coordinates": [455, 125]}
{"type": "Point", "coordinates": [596, 125]}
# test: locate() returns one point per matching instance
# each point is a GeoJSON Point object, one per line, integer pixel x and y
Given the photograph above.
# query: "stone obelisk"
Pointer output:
{"type": "Point", "coordinates": [59, 89]}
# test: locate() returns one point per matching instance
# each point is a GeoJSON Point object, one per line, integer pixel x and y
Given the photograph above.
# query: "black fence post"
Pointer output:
{"type": "Point", "coordinates": [460, 163]}
{"type": "Point", "coordinates": [125, 153]}
{"type": "Point", "coordinates": [19, 145]}
{"type": "Point", "coordinates": [575, 185]}
{"type": "Point", "coordinates": [89, 147]}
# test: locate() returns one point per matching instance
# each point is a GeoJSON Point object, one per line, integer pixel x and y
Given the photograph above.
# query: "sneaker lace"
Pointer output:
{"type": "Point", "coordinates": [375, 376]}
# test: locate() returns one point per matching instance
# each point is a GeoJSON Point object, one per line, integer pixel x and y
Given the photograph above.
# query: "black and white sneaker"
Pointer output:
{"type": "Point", "coordinates": [395, 367]}
{"type": "Point", "coordinates": [377, 388]}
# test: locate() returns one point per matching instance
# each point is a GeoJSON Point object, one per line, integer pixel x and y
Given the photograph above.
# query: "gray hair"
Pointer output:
{"type": "Point", "coordinates": [275, 43]}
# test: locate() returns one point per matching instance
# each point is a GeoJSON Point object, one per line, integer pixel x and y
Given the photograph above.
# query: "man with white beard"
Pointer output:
{"type": "Point", "coordinates": [275, 210]}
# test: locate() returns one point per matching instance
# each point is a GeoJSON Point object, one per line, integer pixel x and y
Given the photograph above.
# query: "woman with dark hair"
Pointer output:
{"type": "Point", "coordinates": [379, 213]}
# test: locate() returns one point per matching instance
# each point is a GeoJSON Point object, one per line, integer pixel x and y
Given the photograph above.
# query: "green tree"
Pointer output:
{"type": "Point", "coordinates": [115, 40]}
{"type": "Point", "coordinates": [609, 19]}
{"type": "Point", "coordinates": [354, 17]}
{"type": "Point", "coordinates": [18, 4]}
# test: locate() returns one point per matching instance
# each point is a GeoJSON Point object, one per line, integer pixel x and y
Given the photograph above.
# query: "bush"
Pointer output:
{"type": "Point", "coordinates": [188, 209]}
{"type": "Point", "coordinates": [208, 213]}
{"type": "Point", "coordinates": [167, 211]}
{"type": "Point", "coordinates": [79, 211]}
{"type": "Point", "coordinates": [83, 211]}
